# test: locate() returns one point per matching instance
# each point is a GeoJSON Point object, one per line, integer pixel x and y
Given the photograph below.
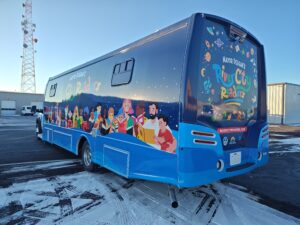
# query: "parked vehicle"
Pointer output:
{"type": "Point", "coordinates": [185, 105]}
{"type": "Point", "coordinates": [26, 110]}
{"type": "Point", "coordinates": [37, 107]}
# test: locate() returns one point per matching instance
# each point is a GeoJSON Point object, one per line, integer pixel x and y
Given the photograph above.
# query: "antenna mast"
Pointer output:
{"type": "Point", "coordinates": [28, 68]}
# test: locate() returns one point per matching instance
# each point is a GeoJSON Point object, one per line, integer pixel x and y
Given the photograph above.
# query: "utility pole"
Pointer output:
{"type": "Point", "coordinates": [28, 67]}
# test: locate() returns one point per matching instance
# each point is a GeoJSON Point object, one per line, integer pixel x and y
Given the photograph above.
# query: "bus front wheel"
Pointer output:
{"type": "Point", "coordinates": [86, 157]}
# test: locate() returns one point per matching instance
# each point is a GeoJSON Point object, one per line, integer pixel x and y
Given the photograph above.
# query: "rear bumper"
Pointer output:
{"type": "Point", "coordinates": [202, 177]}
{"type": "Point", "coordinates": [198, 163]}
{"type": "Point", "coordinates": [209, 173]}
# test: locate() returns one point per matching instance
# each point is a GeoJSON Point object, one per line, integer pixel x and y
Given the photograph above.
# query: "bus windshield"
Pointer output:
{"type": "Point", "coordinates": [228, 80]}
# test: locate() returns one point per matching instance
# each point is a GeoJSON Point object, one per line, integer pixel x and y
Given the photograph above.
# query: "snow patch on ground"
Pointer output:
{"type": "Point", "coordinates": [292, 145]}
{"type": "Point", "coordinates": [33, 166]}
{"type": "Point", "coordinates": [292, 141]}
{"type": "Point", "coordinates": [243, 210]}
{"type": "Point", "coordinates": [279, 135]}
{"type": "Point", "coordinates": [284, 152]}
{"type": "Point", "coordinates": [106, 198]}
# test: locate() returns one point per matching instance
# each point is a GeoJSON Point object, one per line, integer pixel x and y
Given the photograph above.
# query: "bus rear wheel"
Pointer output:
{"type": "Point", "coordinates": [86, 157]}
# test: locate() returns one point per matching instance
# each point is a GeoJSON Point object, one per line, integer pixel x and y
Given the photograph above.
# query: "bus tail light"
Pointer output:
{"type": "Point", "coordinates": [265, 132]}
{"type": "Point", "coordinates": [203, 134]}
{"type": "Point", "coordinates": [201, 141]}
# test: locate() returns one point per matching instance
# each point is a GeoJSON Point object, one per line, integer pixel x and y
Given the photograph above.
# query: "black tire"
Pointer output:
{"type": "Point", "coordinates": [86, 157]}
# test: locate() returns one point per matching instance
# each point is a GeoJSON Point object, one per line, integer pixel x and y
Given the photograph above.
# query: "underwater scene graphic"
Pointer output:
{"type": "Point", "coordinates": [227, 75]}
{"type": "Point", "coordinates": [149, 122]}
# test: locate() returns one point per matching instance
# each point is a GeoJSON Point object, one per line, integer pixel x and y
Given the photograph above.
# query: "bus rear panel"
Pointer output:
{"type": "Point", "coordinates": [224, 111]}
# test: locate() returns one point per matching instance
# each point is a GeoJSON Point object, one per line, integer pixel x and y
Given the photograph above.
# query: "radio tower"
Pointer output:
{"type": "Point", "coordinates": [28, 69]}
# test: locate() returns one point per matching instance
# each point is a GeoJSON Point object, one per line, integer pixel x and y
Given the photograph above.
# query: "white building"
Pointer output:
{"type": "Point", "coordinates": [283, 103]}
{"type": "Point", "coordinates": [12, 102]}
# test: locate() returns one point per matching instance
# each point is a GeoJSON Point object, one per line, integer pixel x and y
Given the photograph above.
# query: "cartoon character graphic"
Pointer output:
{"type": "Point", "coordinates": [70, 122]}
{"type": "Point", "coordinates": [121, 123]}
{"type": "Point", "coordinates": [128, 110]}
{"type": "Point", "coordinates": [110, 120]}
{"type": "Point", "coordinates": [59, 118]}
{"type": "Point", "coordinates": [104, 126]}
{"type": "Point", "coordinates": [150, 129]}
{"type": "Point", "coordinates": [55, 113]}
{"type": "Point", "coordinates": [98, 120]}
{"type": "Point", "coordinates": [152, 122]}
{"type": "Point", "coordinates": [50, 116]}
{"type": "Point", "coordinates": [65, 120]}
{"type": "Point", "coordinates": [86, 113]}
{"type": "Point", "coordinates": [81, 115]}
{"type": "Point", "coordinates": [91, 119]}
{"type": "Point", "coordinates": [140, 119]}
{"type": "Point", "coordinates": [80, 119]}
{"type": "Point", "coordinates": [75, 118]}
{"type": "Point", "coordinates": [153, 130]}
{"type": "Point", "coordinates": [85, 119]}
{"type": "Point", "coordinates": [165, 138]}
{"type": "Point", "coordinates": [98, 116]}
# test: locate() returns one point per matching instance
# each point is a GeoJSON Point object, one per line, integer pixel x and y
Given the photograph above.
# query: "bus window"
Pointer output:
{"type": "Point", "coordinates": [129, 65]}
{"type": "Point", "coordinates": [124, 75]}
{"type": "Point", "coordinates": [228, 76]}
{"type": "Point", "coordinates": [52, 90]}
{"type": "Point", "coordinates": [117, 69]}
{"type": "Point", "coordinates": [123, 67]}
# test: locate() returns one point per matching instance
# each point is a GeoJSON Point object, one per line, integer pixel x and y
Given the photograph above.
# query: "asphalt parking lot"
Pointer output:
{"type": "Point", "coordinates": [278, 182]}
{"type": "Point", "coordinates": [19, 144]}
{"type": "Point", "coordinates": [43, 184]}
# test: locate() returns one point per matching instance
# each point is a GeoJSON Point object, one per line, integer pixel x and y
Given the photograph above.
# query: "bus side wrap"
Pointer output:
{"type": "Point", "coordinates": [121, 121]}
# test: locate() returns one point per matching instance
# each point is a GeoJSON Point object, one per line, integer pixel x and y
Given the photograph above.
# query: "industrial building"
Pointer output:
{"type": "Point", "coordinates": [12, 102]}
{"type": "Point", "coordinates": [284, 103]}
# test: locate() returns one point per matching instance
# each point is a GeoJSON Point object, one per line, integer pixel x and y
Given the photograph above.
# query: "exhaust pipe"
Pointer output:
{"type": "Point", "coordinates": [172, 195]}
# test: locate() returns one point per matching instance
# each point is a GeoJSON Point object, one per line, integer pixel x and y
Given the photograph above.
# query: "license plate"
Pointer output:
{"type": "Point", "coordinates": [235, 158]}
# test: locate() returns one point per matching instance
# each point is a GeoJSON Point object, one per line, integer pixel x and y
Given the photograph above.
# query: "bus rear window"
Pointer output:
{"type": "Point", "coordinates": [227, 89]}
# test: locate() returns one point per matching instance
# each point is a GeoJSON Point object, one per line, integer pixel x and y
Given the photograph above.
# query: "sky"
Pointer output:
{"type": "Point", "coordinates": [72, 32]}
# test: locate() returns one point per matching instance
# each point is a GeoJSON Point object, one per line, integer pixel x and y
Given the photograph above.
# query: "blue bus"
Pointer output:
{"type": "Point", "coordinates": [185, 105]}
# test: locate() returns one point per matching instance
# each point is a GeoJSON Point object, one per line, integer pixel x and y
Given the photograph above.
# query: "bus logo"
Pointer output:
{"type": "Point", "coordinates": [225, 141]}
